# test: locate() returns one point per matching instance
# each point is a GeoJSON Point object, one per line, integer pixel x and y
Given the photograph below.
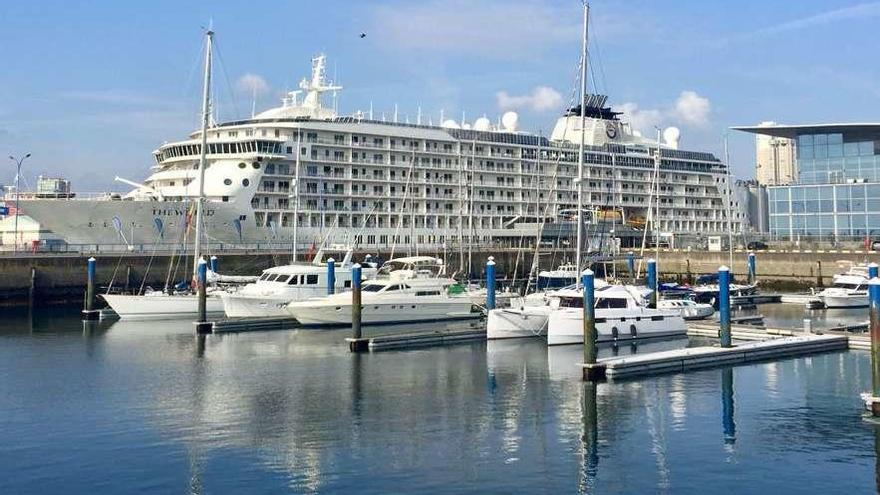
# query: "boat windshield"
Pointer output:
{"type": "Point", "coordinates": [372, 287]}
{"type": "Point", "coordinates": [610, 303]}
{"type": "Point", "coordinates": [843, 285]}
{"type": "Point", "coordinates": [571, 302]}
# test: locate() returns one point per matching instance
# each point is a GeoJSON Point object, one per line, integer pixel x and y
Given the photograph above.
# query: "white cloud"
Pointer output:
{"type": "Point", "coordinates": [692, 109]}
{"type": "Point", "coordinates": [860, 11]}
{"type": "Point", "coordinates": [508, 29]}
{"type": "Point", "coordinates": [252, 83]}
{"type": "Point", "coordinates": [689, 109]}
{"type": "Point", "coordinates": [541, 99]}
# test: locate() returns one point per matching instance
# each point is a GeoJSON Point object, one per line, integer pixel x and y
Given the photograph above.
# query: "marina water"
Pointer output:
{"type": "Point", "coordinates": [118, 407]}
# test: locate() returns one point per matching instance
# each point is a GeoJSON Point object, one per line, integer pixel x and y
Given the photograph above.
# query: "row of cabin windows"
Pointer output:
{"type": "Point", "coordinates": [290, 279]}
{"type": "Point", "coordinates": [601, 303]}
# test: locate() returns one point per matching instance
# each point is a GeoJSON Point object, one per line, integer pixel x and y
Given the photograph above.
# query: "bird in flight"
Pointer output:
{"type": "Point", "coordinates": [363, 35]}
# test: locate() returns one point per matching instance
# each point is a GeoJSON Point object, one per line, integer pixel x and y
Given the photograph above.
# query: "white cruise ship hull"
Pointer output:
{"type": "Point", "coordinates": [565, 326]}
{"type": "Point", "coordinates": [444, 308]}
{"type": "Point", "coordinates": [161, 306]}
{"type": "Point", "coordinates": [513, 323]}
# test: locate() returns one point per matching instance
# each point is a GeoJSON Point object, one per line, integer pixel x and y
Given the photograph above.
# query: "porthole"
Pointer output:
{"type": "Point", "coordinates": [256, 165]}
{"type": "Point", "coordinates": [245, 182]}
{"type": "Point", "coordinates": [228, 182]}
{"type": "Point", "coordinates": [242, 165]}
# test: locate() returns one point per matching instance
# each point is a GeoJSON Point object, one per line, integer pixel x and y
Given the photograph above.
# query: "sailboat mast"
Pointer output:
{"type": "Point", "coordinates": [206, 115]}
{"type": "Point", "coordinates": [729, 205]}
{"type": "Point", "coordinates": [580, 179]}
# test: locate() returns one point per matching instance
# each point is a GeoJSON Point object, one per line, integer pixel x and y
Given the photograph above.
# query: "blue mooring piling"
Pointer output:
{"type": "Point", "coordinates": [331, 276]}
{"type": "Point", "coordinates": [652, 281]}
{"type": "Point", "coordinates": [89, 312]}
{"type": "Point", "coordinates": [356, 302]}
{"type": "Point", "coordinates": [753, 270]}
{"type": "Point", "coordinates": [874, 327]}
{"type": "Point", "coordinates": [202, 324]}
{"type": "Point", "coordinates": [591, 350]}
{"type": "Point", "coordinates": [214, 264]}
{"type": "Point", "coordinates": [873, 271]}
{"type": "Point", "coordinates": [724, 305]}
{"type": "Point", "coordinates": [490, 283]}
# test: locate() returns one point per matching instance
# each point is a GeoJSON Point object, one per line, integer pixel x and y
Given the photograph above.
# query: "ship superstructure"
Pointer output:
{"type": "Point", "coordinates": [302, 170]}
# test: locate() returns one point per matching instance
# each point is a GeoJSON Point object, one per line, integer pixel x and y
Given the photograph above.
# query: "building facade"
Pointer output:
{"type": "Point", "coordinates": [774, 159]}
{"type": "Point", "coordinates": [835, 194]}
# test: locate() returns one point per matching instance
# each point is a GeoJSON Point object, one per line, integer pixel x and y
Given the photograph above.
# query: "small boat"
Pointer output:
{"type": "Point", "coordinates": [849, 289]}
{"type": "Point", "coordinates": [621, 314]}
{"type": "Point", "coordinates": [690, 310]}
{"type": "Point", "coordinates": [406, 290]}
{"type": "Point", "coordinates": [279, 285]}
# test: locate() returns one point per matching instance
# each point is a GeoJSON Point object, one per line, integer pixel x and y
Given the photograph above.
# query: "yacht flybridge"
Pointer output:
{"type": "Point", "coordinates": [303, 174]}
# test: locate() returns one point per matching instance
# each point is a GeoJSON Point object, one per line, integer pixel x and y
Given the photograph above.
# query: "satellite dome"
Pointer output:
{"type": "Point", "coordinates": [510, 120]}
{"type": "Point", "coordinates": [482, 124]}
{"type": "Point", "coordinates": [450, 124]}
{"type": "Point", "coordinates": [671, 135]}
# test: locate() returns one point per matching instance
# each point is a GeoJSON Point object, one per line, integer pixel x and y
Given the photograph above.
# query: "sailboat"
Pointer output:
{"type": "Point", "coordinates": [164, 305]}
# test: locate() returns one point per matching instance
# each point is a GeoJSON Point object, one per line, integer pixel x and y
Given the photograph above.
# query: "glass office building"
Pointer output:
{"type": "Point", "coordinates": [836, 193]}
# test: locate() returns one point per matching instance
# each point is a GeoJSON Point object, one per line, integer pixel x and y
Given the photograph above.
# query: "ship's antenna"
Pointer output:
{"type": "Point", "coordinates": [462, 118]}
{"type": "Point", "coordinates": [419, 116]}
{"type": "Point", "coordinates": [371, 109]}
{"type": "Point", "coordinates": [441, 116]}
{"type": "Point", "coordinates": [395, 113]}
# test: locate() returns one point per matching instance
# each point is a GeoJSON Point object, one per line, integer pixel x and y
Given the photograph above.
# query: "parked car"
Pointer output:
{"type": "Point", "coordinates": [756, 245]}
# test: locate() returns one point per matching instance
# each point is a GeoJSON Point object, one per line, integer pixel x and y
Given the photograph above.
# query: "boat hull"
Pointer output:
{"type": "Point", "coordinates": [382, 313]}
{"type": "Point", "coordinates": [845, 301]}
{"type": "Point", "coordinates": [513, 323]}
{"type": "Point", "coordinates": [161, 307]}
{"type": "Point", "coordinates": [565, 326]}
{"type": "Point", "coordinates": [247, 306]}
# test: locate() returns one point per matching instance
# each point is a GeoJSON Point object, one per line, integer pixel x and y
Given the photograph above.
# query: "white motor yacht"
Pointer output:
{"type": "Point", "coordinates": [280, 285]}
{"type": "Point", "coordinates": [527, 316]}
{"type": "Point", "coordinates": [690, 310]}
{"type": "Point", "coordinates": [849, 289]}
{"type": "Point", "coordinates": [406, 290]}
{"type": "Point", "coordinates": [621, 314]}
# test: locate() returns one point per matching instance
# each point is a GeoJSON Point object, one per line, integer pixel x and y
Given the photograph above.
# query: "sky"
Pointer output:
{"type": "Point", "coordinates": [92, 88]}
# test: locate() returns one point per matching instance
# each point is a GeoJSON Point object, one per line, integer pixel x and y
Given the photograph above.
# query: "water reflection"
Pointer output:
{"type": "Point", "coordinates": [727, 406]}
{"type": "Point", "coordinates": [297, 409]}
{"type": "Point", "coordinates": [590, 439]}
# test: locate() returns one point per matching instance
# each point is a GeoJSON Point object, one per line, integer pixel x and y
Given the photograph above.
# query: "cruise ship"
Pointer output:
{"type": "Point", "coordinates": [300, 171]}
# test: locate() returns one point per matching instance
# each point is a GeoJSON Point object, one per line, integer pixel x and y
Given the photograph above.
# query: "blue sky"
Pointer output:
{"type": "Point", "coordinates": [91, 88]}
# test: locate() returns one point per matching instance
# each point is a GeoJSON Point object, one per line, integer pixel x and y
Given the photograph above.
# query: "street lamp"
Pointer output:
{"type": "Point", "coordinates": [18, 163]}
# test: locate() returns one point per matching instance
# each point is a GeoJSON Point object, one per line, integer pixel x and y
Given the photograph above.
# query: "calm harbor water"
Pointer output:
{"type": "Point", "coordinates": [119, 407]}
